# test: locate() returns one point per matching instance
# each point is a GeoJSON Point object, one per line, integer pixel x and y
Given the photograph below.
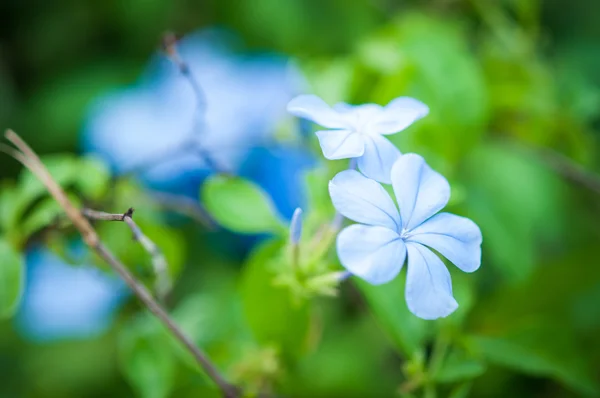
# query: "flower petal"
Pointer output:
{"type": "Point", "coordinates": [314, 108]}
{"type": "Point", "coordinates": [363, 200]}
{"type": "Point", "coordinates": [428, 284]}
{"type": "Point", "coordinates": [456, 238]}
{"type": "Point", "coordinates": [375, 254]}
{"type": "Point", "coordinates": [378, 159]}
{"type": "Point", "coordinates": [420, 191]}
{"type": "Point", "coordinates": [341, 144]}
{"type": "Point", "coordinates": [398, 115]}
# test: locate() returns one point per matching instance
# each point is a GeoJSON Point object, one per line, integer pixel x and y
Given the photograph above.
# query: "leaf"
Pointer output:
{"type": "Point", "coordinates": [539, 352]}
{"type": "Point", "coordinates": [146, 357]}
{"type": "Point", "coordinates": [42, 215]}
{"type": "Point", "coordinates": [389, 307]}
{"type": "Point", "coordinates": [63, 168]}
{"type": "Point", "coordinates": [93, 177]}
{"type": "Point", "coordinates": [510, 197]}
{"type": "Point", "coordinates": [239, 205]}
{"type": "Point", "coordinates": [12, 279]}
{"type": "Point", "coordinates": [270, 311]}
{"type": "Point", "coordinates": [8, 203]}
{"type": "Point", "coordinates": [458, 367]}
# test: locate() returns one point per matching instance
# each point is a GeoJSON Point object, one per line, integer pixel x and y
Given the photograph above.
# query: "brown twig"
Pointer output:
{"type": "Point", "coordinates": [159, 261]}
{"type": "Point", "coordinates": [30, 160]}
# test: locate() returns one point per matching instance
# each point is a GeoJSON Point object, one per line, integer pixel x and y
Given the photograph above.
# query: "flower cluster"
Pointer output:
{"type": "Point", "coordinates": [386, 235]}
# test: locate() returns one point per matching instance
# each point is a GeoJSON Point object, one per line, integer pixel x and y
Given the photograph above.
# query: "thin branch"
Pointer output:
{"type": "Point", "coordinates": [159, 261]}
{"type": "Point", "coordinates": [185, 206]}
{"type": "Point", "coordinates": [570, 169]}
{"type": "Point", "coordinates": [30, 160]}
{"type": "Point", "coordinates": [170, 48]}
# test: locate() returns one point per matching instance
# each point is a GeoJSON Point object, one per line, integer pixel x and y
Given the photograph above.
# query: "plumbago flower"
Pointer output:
{"type": "Point", "coordinates": [357, 131]}
{"type": "Point", "coordinates": [375, 249]}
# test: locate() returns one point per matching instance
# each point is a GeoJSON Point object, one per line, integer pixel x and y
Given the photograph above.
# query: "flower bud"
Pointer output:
{"type": "Point", "coordinates": [296, 227]}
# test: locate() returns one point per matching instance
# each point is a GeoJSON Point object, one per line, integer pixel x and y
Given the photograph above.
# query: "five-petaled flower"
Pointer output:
{"type": "Point", "coordinates": [356, 131]}
{"type": "Point", "coordinates": [376, 249]}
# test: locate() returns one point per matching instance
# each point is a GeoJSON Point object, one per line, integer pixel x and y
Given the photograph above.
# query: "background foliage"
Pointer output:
{"type": "Point", "coordinates": [514, 92]}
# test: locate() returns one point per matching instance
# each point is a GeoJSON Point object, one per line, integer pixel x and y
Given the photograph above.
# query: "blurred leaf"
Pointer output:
{"type": "Point", "coordinates": [459, 366]}
{"type": "Point", "coordinates": [454, 89]}
{"type": "Point", "coordinates": [201, 316]}
{"type": "Point", "coordinates": [461, 391]}
{"type": "Point", "coordinates": [389, 307]}
{"type": "Point", "coordinates": [273, 316]}
{"type": "Point", "coordinates": [63, 168]}
{"type": "Point", "coordinates": [42, 215]}
{"type": "Point", "coordinates": [510, 196]}
{"type": "Point", "coordinates": [146, 357]}
{"type": "Point", "coordinates": [8, 203]}
{"type": "Point", "coordinates": [540, 351]}
{"type": "Point", "coordinates": [12, 279]}
{"type": "Point", "coordinates": [239, 205]}
{"type": "Point", "coordinates": [93, 177]}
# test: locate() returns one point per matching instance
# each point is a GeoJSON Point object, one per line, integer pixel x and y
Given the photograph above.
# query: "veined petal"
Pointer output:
{"type": "Point", "coordinates": [428, 284]}
{"type": "Point", "coordinates": [375, 254]}
{"type": "Point", "coordinates": [378, 159]}
{"type": "Point", "coordinates": [420, 191]}
{"type": "Point", "coordinates": [314, 108]}
{"type": "Point", "coordinates": [456, 238]}
{"type": "Point", "coordinates": [398, 115]}
{"type": "Point", "coordinates": [341, 144]}
{"type": "Point", "coordinates": [363, 200]}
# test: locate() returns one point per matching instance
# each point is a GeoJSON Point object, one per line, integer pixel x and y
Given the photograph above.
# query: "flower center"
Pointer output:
{"type": "Point", "coordinates": [405, 234]}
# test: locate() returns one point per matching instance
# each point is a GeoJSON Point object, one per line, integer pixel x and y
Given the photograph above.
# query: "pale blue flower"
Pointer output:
{"type": "Point", "coordinates": [63, 301]}
{"type": "Point", "coordinates": [158, 123]}
{"type": "Point", "coordinates": [376, 249]}
{"type": "Point", "coordinates": [356, 131]}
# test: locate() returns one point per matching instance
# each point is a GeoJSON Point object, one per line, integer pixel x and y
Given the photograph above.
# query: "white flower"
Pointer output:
{"type": "Point", "coordinates": [356, 131]}
{"type": "Point", "coordinates": [376, 249]}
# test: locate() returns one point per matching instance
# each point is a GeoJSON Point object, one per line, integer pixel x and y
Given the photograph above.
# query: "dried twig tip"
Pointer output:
{"type": "Point", "coordinates": [169, 44]}
{"type": "Point", "coordinates": [129, 212]}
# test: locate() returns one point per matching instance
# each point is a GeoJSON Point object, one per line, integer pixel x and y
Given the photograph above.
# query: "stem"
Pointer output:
{"type": "Point", "coordinates": [159, 261]}
{"type": "Point", "coordinates": [29, 159]}
{"type": "Point", "coordinates": [429, 391]}
{"type": "Point", "coordinates": [440, 349]}
{"type": "Point", "coordinates": [338, 219]}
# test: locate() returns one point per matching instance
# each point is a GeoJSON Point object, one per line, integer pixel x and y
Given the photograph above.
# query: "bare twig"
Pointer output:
{"type": "Point", "coordinates": [170, 48]}
{"type": "Point", "coordinates": [30, 160]}
{"type": "Point", "coordinates": [570, 169]}
{"type": "Point", "coordinates": [159, 262]}
{"type": "Point", "coordinates": [185, 206]}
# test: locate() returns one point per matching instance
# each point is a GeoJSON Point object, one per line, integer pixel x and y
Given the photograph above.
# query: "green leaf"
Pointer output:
{"type": "Point", "coordinates": [12, 278]}
{"type": "Point", "coordinates": [388, 304]}
{"type": "Point", "coordinates": [540, 352]}
{"type": "Point", "coordinates": [272, 315]}
{"type": "Point", "coordinates": [146, 357]}
{"type": "Point", "coordinates": [63, 168]}
{"type": "Point", "coordinates": [239, 205]}
{"type": "Point", "coordinates": [8, 203]}
{"type": "Point", "coordinates": [93, 177]}
{"type": "Point", "coordinates": [510, 196]}
{"type": "Point", "coordinates": [458, 366]}
{"type": "Point", "coordinates": [42, 215]}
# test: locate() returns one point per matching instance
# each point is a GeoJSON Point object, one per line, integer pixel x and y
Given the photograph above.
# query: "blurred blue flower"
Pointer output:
{"type": "Point", "coordinates": [357, 130]}
{"type": "Point", "coordinates": [63, 301]}
{"type": "Point", "coordinates": [160, 128]}
{"type": "Point", "coordinates": [376, 249]}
